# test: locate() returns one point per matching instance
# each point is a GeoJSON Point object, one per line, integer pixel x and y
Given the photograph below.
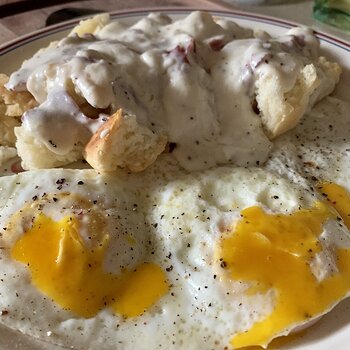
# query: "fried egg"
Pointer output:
{"type": "Point", "coordinates": [167, 258]}
{"type": "Point", "coordinates": [60, 246]}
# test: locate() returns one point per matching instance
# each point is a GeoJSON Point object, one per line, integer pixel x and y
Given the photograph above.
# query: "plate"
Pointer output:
{"type": "Point", "coordinates": [333, 331]}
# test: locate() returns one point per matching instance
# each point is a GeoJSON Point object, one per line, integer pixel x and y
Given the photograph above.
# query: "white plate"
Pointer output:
{"type": "Point", "coordinates": [333, 331]}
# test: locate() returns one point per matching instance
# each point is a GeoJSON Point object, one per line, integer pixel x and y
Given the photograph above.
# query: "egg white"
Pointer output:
{"type": "Point", "coordinates": [176, 219]}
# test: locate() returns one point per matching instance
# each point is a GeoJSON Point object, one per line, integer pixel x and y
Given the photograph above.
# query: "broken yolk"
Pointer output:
{"type": "Point", "coordinates": [338, 198]}
{"type": "Point", "coordinates": [63, 268]}
{"type": "Point", "coordinates": [275, 251]}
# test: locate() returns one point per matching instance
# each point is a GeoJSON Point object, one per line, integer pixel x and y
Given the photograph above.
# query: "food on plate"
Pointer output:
{"type": "Point", "coordinates": [216, 211]}
{"type": "Point", "coordinates": [91, 25]}
{"type": "Point", "coordinates": [12, 106]}
{"type": "Point", "coordinates": [122, 142]}
{"type": "Point", "coordinates": [138, 258]}
{"type": "Point", "coordinates": [217, 91]}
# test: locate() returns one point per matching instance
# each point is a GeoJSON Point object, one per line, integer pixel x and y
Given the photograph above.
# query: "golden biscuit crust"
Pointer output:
{"type": "Point", "coordinates": [12, 106]}
{"type": "Point", "coordinates": [122, 142]}
{"type": "Point", "coordinates": [282, 110]}
{"type": "Point", "coordinates": [14, 103]}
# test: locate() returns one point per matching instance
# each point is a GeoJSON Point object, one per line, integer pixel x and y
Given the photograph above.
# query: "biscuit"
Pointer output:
{"type": "Point", "coordinates": [122, 142]}
{"type": "Point", "coordinates": [35, 155]}
{"type": "Point", "coordinates": [91, 25]}
{"type": "Point", "coordinates": [282, 110]}
{"type": "Point", "coordinates": [15, 103]}
{"type": "Point", "coordinates": [12, 106]}
{"type": "Point", "coordinates": [7, 125]}
{"type": "Point", "coordinates": [7, 153]}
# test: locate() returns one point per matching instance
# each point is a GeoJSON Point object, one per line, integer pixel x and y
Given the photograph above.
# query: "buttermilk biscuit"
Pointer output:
{"type": "Point", "coordinates": [91, 25]}
{"type": "Point", "coordinates": [282, 110]}
{"type": "Point", "coordinates": [15, 103]}
{"type": "Point", "coordinates": [12, 106]}
{"type": "Point", "coordinates": [122, 142]}
{"type": "Point", "coordinates": [7, 153]}
{"type": "Point", "coordinates": [35, 155]}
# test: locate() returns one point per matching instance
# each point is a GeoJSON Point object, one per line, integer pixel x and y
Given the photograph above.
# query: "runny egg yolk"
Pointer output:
{"type": "Point", "coordinates": [63, 268]}
{"type": "Point", "coordinates": [275, 251]}
{"type": "Point", "coordinates": [338, 198]}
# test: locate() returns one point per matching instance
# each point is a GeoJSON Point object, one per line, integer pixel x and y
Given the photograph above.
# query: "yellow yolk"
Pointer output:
{"type": "Point", "coordinates": [338, 198]}
{"type": "Point", "coordinates": [73, 276]}
{"type": "Point", "coordinates": [147, 280]}
{"type": "Point", "coordinates": [275, 251]}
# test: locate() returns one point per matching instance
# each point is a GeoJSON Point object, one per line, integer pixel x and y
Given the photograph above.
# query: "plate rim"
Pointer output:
{"type": "Point", "coordinates": [60, 27]}
{"type": "Point", "coordinates": [25, 39]}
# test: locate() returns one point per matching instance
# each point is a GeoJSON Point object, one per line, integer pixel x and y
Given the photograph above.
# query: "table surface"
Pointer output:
{"type": "Point", "coordinates": [16, 25]}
